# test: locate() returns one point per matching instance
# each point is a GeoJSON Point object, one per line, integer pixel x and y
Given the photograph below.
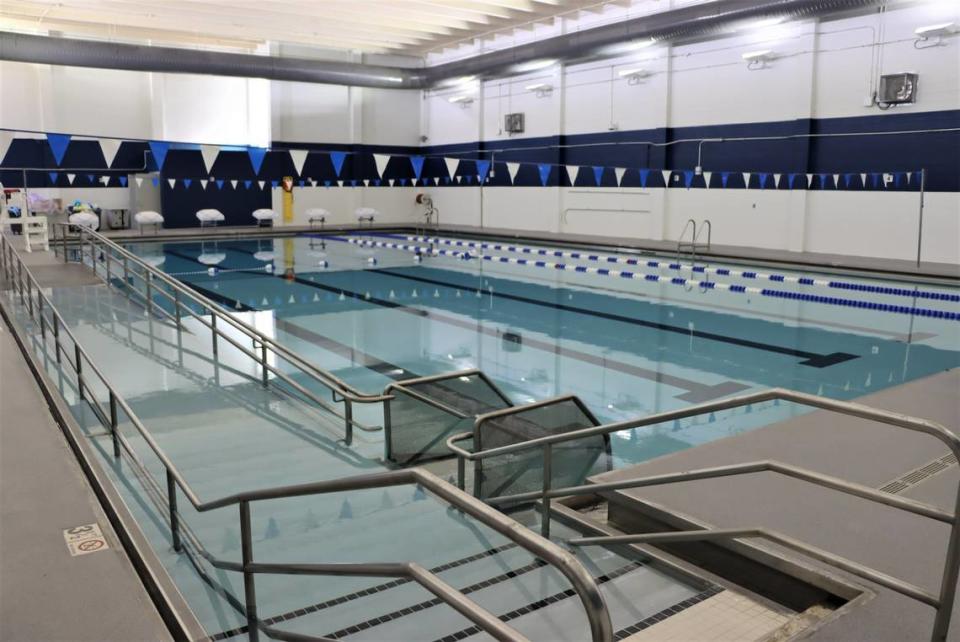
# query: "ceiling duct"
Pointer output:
{"type": "Point", "coordinates": [686, 23]}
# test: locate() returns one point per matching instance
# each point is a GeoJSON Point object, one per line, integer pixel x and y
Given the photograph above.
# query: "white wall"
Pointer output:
{"type": "Point", "coordinates": [821, 70]}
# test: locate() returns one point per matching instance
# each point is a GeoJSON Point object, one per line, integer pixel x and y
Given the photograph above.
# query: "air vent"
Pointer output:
{"type": "Point", "coordinates": [917, 475]}
{"type": "Point", "coordinates": [897, 89]}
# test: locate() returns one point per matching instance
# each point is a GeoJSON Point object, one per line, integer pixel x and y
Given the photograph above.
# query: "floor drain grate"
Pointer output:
{"type": "Point", "coordinates": [917, 475]}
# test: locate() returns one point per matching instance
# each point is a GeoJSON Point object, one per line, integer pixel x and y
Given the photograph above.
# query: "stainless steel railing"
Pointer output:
{"type": "Point", "coordinates": [39, 307]}
{"type": "Point", "coordinates": [119, 263]}
{"type": "Point", "coordinates": [943, 603]}
{"type": "Point", "coordinates": [694, 244]}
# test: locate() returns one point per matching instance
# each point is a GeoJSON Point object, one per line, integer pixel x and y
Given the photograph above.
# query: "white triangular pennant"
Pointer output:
{"type": "Point", "coordinates": [776, 180]}
{"type": "Point", "coordinates": [381, 160]}
{"type": "Point", "coordinates": [809, 180]}
{"type": "Point", "coordinates": [209, 153]}
{"type": "Point", "coordinates": [512, 169]}
{"type": "Point", "coordinates": [836, 180]}
{"type": "Point", "coordinates": [313, 182]}
{"type": "Point", "coordinates": [746, 179]}
{"type": "Point", "coordinates": [109, 147]}
{"type": "Point", "coordinates": [138, 180]}
{"type": "Point", "coordinates": [203, 183]}
{"type": "Point", "coordinates": [459, 179]}
{"type": "Point", "coordinates": [70, 178]}
{"type": "Point", "coordinates": [619, 172]}
{"type": "Point", "coordinates": [299, 157]}
{"type": "Point", "coordinates": [172, 182]}
{"type": "Point", "coordinates": [5, 139]}
{"type": "Point", "coordinates": [105, 179]}
{"type": "Point", "coordinates": [706, 178]}
{"type": "Point", "coordinates": [261, 184]}
{"type": "Point", "coordinates": [909, 174]}
{"type": "Point", "coordinates": [863, 177]}
{"type": "Point", "coordinates": [366, 182]}
{"type": "Point", "coordinates": [340, 183]}
{"type": "Point", "coordinates": [666, 176]}
{"type": "Point", "coordinates": [234, 183]}
{"type": "Point", "coordinates": [572, 173]}
{"type": "Point", "coordinates": [390, 182]}
{"type": "Point", "coordinates": [452, 165]}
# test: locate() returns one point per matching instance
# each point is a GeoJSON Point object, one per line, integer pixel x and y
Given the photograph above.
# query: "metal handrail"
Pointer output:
{"type": "Point", "coordinates": [349, 395]}
{"type": "Point", "coordinates": [583, 583]}
{"type": "Point", "coordinates": [948, 584]}
{"type": "Point", "coordinates": [694, 237]}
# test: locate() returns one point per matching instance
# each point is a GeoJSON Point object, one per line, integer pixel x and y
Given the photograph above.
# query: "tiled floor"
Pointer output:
{"type": "Point", "coordinates": [725, 617]}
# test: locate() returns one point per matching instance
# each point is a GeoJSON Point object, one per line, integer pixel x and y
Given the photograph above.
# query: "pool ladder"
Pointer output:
{"type": "Point", "coordinates": [694, 243]}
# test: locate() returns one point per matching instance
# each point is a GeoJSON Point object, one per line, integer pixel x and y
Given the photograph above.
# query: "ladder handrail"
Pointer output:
{"type": "Point", "coordinates": [545, 444]}
{"type": "Point", "coordinates": [584, 584]}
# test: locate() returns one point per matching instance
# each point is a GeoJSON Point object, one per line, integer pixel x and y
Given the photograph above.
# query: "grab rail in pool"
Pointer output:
{"type": "Point", "coordinates": [943, 603]}
{"type": "Point", "coordinates": [179, 298]}
{"type": "Point", "coordinates": [39, 306]}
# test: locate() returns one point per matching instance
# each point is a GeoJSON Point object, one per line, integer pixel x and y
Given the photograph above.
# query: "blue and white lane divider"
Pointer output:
{"type": "Point", "coordinates": [743, 274]}
{"type": "Point", "coordinates": [656, 278]}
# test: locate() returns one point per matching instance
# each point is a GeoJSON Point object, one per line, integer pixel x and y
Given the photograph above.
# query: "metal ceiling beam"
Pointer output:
{"type": "Point", "coordinates": [686, 23]}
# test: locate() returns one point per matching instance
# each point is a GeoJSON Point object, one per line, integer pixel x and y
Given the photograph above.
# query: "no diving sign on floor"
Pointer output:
{"type": "Point", "coordinates": [85, 539]}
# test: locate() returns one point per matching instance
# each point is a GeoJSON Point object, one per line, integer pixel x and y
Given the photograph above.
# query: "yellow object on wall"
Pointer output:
{"type": "Point", "coordinates": [287, 199]}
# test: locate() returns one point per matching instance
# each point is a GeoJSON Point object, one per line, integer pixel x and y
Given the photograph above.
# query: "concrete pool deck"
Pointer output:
{"type": "Point", "coordinates": [898, 543]}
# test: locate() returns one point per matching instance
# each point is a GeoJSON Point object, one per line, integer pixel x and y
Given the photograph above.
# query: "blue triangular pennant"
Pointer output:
{"type": "Point", "coordinates": [763, 178]}
{"type": "Point", "coordinates": [274, 184]}
{"type": "Point", "coordinates": [791, 179]}
{"type": "Point", "coordinates": [219, 183]}
{"type": "Point", "coordinates": [597, 175]}
{"type": "Point", "coordinates": [53, 176]}
{"type": "Point", "coordinates": [159, 150]}
{"type": "Point", "coordinates": [896, 178]}
{"type": "Point", "coordinates": [468, 178]}
{"type": "Point", "coordinates": [724, 177]}
{"type": "Point", "coordinates": [337, 159]}
{"type": "Point", "coordinates": [483, 166]}
{"type": "Point", "coordinates": [91, 177]}
{"type": "Point", "coordinates": [377, 182]}
{"type": "Point", "coordinates": [58, 145]}
{"type": "Point", "coordinates": [301, 182]}
{"type": "Point", "coordinates": [123, 181]}
{"type": "Point", "coordinates": [446, 179]}
{"type": "Point", "coordinates": [256, 154]}
{"type": "Point", "coordinates": [875, 178]}
{"type": "Point", "coordinates": [247, 184]}
{"type": "Point", "coordinates": [847, 178]}
{"type": "Point", "coordinates": [402, 181]}
{"type": "Point", "coordinates": [687, 178]}
{"type": "Point", "coordinates": [155, 181]}
{"type": "Point", "coordinates": [326, 183]}
{"type": "Point", "coordinates": [644, 173]}
{"type": "Point", "coordinates": [823, 180]}
{"type": "Point", "coordinates": [186, 182]}
{"type": "Point", "coordinates": [417, 163]}
{"type": "Point", "coordinates": [544, 173]}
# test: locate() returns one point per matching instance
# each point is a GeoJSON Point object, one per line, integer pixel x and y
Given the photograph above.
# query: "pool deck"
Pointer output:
{"type": "Point", "coordinates": [901, 544]}
{"type": "Point", "coordinates": [45, 593]}
{"type": "Point", "coordinates": [876, 266]}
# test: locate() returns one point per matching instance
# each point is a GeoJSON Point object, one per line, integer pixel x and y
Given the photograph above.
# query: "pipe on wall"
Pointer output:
{"type": "Point", "coordinates": [685, 23]}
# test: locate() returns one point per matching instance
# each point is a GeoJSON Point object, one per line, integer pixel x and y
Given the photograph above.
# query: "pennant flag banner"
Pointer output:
{"type": "Point", "coordinates": [70, 178]}
{"type": "Point", "coordinates": [746, 179]}
{"type": "Point", "coordinates": [156, 181]}
{"type": "Point", "coordinates": [483, 167]}
{"type": "Point", "coordinates": [572, 171]}
{"type": "Point", "coordinates": [91, 178]}
{"type": "Point", "coordinates": [452, 165]}
{"type": "Point", "coordinates": [109, 148]}
{"type": "Point", "coordinates": [776, 180]}
{"type": "Point", "coordinates": [53, 176]}
{"type": "Point", "coordinates": [381, 161]}
{"type": "Point", "coordinates": [219, 183]}
{"type": "Point", "coordinates": [724, 177]}
{"type": "Point", "coordinates": [261, 184]}
{"type": "Point", "coordinates": [58, 145]}
{"type": "Point", "coordinates": [172, 182]}
{"type": "Point", "coordinates": [256, 154]}
{"type": "Point", "coordinates": [544, 173]}
{"type": "Point", "coordinates": [299, 157]}
{"type": "Point", "coordinates": [706, 178]}
{"type": "Point", "coordinates": [138, 179]}
{"type": "Point", "coordinates": [203, 183]}
{"type": "Point", "coordinates": [417, 163]}
{"type": "Point", "coordinates": [791, 179]}
{"type": "Point", "coordinates": [337, 159]}
{"type": "Point", "coordinates": [274, 184]}
{"type": "Point", "coordinates": [688, 175]}
{"type": "Point", "coordinates": [123, 181]}
{"type": "Point", "coordinates": [597, 175]}
{"type": "Point", "coordinates": [105, 180]}
{"type": "Point", "coordinates": [619, 171]}
{"type": "Point", "coordinates": [159, 150]}
{"type": "Point", "coordinates": [234, 183]}
{"type": "Point", "coordinates": [210, 153]}
{"type": "Point", "coordinates": [644, 174]}
{"type": "Point", "coordinates": [666, 177]}
{"type": "Point", "coordinates": [403, 182]}
{"type": "Point", "coordinates": [5, 139]}
{"type": "Point", "coordinates": [187, 182]}
{"type": "Point", "coordinates": [512, 169]}
{"type": "Point", "coordinates": [763, 179]}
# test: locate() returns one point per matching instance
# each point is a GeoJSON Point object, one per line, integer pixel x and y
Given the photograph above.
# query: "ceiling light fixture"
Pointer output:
{"type": "Point", "coordinates": [758, 59]}
{"type": "Point", "coordinates": [541, 89]}
{"type": "Point", "coordinates": [633, 76]}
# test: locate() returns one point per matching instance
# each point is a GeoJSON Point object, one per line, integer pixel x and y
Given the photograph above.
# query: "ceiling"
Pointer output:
{"type": "Point", "coordinates": [411, 27]}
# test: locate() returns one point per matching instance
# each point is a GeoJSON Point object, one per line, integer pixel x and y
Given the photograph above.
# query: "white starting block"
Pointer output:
{"type": "Point", "coordinates": [35, 234]}
{"type": "Point", "coordinates": [366, 214]}
{"type": "Point", "coordinates": [317, 215]}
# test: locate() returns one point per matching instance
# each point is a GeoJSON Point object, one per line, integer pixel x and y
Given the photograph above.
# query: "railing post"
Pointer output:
{"type": "Point", "coordinates": [461, 472]}
{"type": "Point", "coordinates": [126, 276]}
{"type": "Point", "coordinates": [249, 587]}
{"type": "Point", "coordinates": [106, 262]}
{"type": "Point", "coordinates": [56, 336]}
{"type": "Point", "coordinates": [174, 520]}
{"type": "Point", "coordinates": [387, 431]}
{"type": "Point", "coordinates": [79, 369]}
{"type": "Point", "coordinates": [63, 237]}
{"type": "Point", "coordinates": [43, 321]}
{"type": "Point", "coordinates": [348, 419]}
{"type": "Point", "coordinates": [176, 307]}
{"type": "Point", "coordinates": [213, 332]}
{"type": "Point", "coordinates": [20, 280]}
{"type": "Point", "coordinates": [948, 585]}
{"type": "Point", "coordinates": [30, 297]}
{"type": "Point", "coordinates": [149, 292]}
{"type": "Point", "coordinates": [263, 362]}
{"type": "Point", "coordinates": [114, 424]}
{"type": "Point", "coordinates": [547, 482]}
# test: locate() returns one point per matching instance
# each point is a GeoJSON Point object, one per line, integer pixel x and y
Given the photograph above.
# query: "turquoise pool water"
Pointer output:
{"type": "Point", "coordinates": [626, 347]}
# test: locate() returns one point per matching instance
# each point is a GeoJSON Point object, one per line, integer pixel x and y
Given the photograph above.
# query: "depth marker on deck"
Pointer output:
{"type": "Point", "coordinates": [85, 539]}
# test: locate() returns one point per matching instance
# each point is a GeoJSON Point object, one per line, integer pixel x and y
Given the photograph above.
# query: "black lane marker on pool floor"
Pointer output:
{"type": "Point", "coordinates": [696, 392]}
{"type": "Point", "coordinates": [809, 358]}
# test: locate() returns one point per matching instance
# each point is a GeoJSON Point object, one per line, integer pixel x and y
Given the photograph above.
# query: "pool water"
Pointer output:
{"type": "Point", "coordinates": [627, 348]}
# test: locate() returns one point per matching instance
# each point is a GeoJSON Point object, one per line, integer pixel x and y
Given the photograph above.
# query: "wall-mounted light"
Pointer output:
{"type": "Point", "coordinates": [541, 89]}
{"type": "Point", "coordinates": [758, 59]}
{"type": "Point", "coordinates": [633, 76]}
{"type": "Point", "coordinates": [462, 100]}
{"type": "Point", "coordinates": [933, 35]}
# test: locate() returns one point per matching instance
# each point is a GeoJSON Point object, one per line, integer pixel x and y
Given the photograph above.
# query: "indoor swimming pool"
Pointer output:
{"type": "Point", "coordinates": [375, 309]}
